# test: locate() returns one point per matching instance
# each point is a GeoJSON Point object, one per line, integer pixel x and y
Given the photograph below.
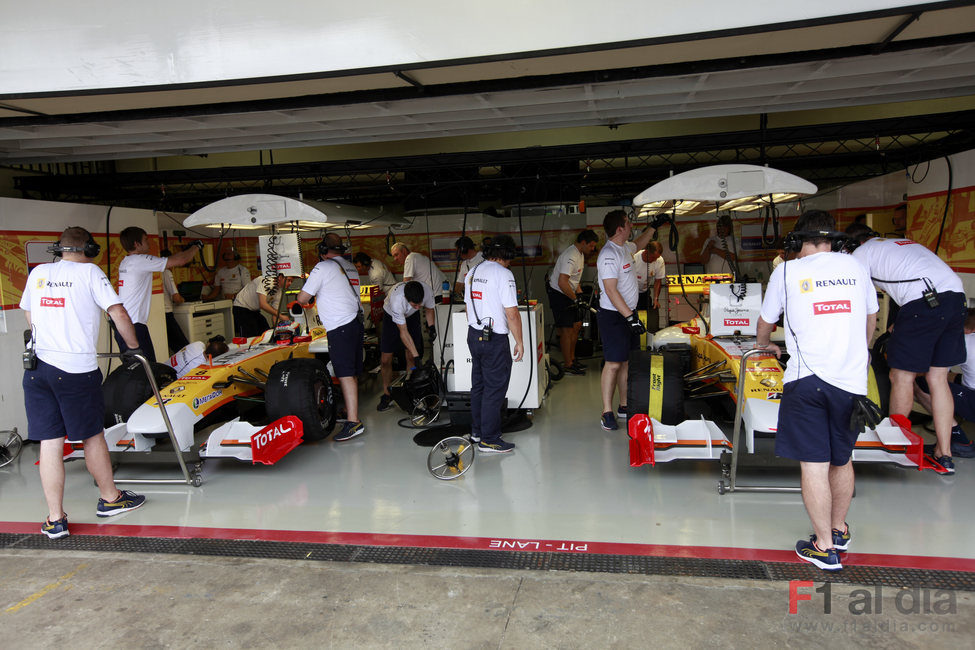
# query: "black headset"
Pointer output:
{"type": "Point", "coordinates": [464, 245]}
{"type": "Point", "coordinates": [90, 249]}
{"type": "Point", "coordinates": [501, 247]}
{"type": "Point", "coordinates": [793, 241]}
{"type": "Point", "coordinates": [323, 248]}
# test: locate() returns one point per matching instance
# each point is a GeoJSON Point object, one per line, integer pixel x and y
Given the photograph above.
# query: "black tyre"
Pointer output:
{"type": "Point", "coordinates": [303, 388]}
{"type": "Point", "coordinates": [555, 371]}
{"type": "Point", "coordinates": [127, 388]}
{"type": "Point", "coordinates": [879, 377]}
{"type": "Point", "coordinates": [655, 385]}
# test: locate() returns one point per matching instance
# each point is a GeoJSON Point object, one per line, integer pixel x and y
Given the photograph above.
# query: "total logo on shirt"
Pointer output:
{"type": "Point", "coordinates": [52, 302]}
{"type": "Point", "coordinates": [476, 295]}
{"type": "Point", "coordinates": [832, 307]}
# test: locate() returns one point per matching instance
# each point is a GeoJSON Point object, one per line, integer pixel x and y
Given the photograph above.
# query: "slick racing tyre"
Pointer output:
{"type": "Point", "coordinates": [655, 386]}
{"type": "Point", "coordinates": [127, 388]}
{"type": "Point", "coordinates": [303, 388]}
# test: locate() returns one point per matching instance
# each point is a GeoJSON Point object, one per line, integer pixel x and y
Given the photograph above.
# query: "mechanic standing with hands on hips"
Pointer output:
{"type": "Point", "coordinates": [928, 337]}
{"type": "Point", "coordinates": [63, 302]}
{"type": "Point", "coordinates": [135, 282]}
{"type": "Point", "coordinates": [830, 309]}
{"type": "Point", "coordinates": [491, 298]}
{"type": "Point", "coordinates": [619, 325]}
{"type": "Point", "coordinates": [335, 284]}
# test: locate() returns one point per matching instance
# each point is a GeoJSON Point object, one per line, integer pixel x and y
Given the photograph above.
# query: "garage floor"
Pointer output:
{"type": "Point", "coordinates": [567, 487]}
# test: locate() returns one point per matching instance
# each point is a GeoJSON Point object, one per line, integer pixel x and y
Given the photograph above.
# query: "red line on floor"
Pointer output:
{"type": "Point", "coordinates": [500, 544]}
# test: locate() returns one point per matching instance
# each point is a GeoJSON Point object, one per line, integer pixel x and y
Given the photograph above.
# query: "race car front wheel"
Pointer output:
{"type": "Point", "coordinates": [303, 388]}
{"type": "Point", "coordinates": [655, 386]}
{"type": "Point", "coordinates": [126, 388]}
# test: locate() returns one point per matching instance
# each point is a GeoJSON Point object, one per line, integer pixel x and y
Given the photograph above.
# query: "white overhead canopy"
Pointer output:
{"type": "Point", "coordinates": [254, 211]}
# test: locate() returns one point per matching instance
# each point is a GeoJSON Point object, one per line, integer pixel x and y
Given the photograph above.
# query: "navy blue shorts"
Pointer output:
{"type": "Point", "coordinates": [614, 332]}
{"type": "Point", "coordinates": [814, 422]}
{"type": "Point", "coordinates": [564, 309]}
{"type": "Point", "coordinates": [963, 395]}
{"type": "Point", "coordinates": [63, 404]}
{"type": "Point", "coordinates": [345, 348]}
{"type": "Point", "coordinates": [926, 338]}
{"type": "Point", "coordinates": [391, 343]}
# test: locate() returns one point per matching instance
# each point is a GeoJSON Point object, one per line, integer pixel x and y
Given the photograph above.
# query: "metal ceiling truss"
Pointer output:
{"type": "Point", "coordinates": [826, 154]}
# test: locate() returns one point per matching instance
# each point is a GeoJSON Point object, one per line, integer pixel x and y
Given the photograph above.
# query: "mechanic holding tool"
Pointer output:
{"type": "Point", "coordinates": [468, 258]}
{"type": "Point", "coordinates": [619, 325]}
{"type": "Point", "coordinates": [254, 299]}
{"type": "Point", "coordinates": [491, 297]}
{"type": "Point", "coordinates": [928, 334]}
{"type": "Point", "coordinates": [135, 282]}
{"type": "Point", "coordinates": [401, 330]}
{"type": "Point", "coordinates": [830, 312]}
{"type": "Point", "coordinates": [377, 272]}
{"type": "Point", "coordinates": [649, 264]}
{"type": "Point", "coordinates": [230, 278]}
{"type": "Point", "coordinates": [718, 255]}
{"type": "Point", "coordinates": [962, 393]}
{"type": "Point", "coordinates": [418, 267]}
{"type": "Point", "coordinates": [335, 284]}
{"type": "Point", "coordinates": [563, 293]}
{"type": "Point", "coordinates": [63, 302]}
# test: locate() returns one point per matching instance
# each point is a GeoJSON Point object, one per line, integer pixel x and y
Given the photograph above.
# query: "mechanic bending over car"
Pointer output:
{"type": "Point", "coordinates": [491, 297]}
{"type": "Point", "coordinates": [619, 326]}
{"type": "Point", "coordinates": [962, 393]}
{"type": "Point", "coordinates": [260, 295]}
{"type": "Point", "coordinates": [417, 266]}
{"type": "Point", "coordinates": [334, 283]}
{"type": "Point", "coordinates": [374, 271]}
{"type": "Point", "coordinates": [401, 330]}
{"type": "Point", "coordinates": [830, 312]}
{"type": "Point", "coordinates": [63, 302]}
{"type": "Point", "coordinates": [928, 334]}
{"type": "Point", "coordinates": [135, 282]}
{"type": "Point", "coordinates": [563, 294]}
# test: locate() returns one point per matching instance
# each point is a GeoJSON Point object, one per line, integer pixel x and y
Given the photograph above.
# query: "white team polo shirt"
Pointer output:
{"type": "Point", "coordinates": [336, 293]}
{"type": "Point", "coordinates": [232, 280]}
{"type": "Point", "coordinates": [571, 262]}
{"type": "Point", "coordinates": [379, 274]}
{"type": "Point", "coordinates": [65, 300]}
{"type": "Point", "coordinates": [826, 298]}
{"type": "Point", "coordinates": [488, 289]}
{"type": "Point", "coordinates": [250, 296]}
{"type": "Point", "coordinates": [422, 269]}
{"type": "Point", "coordinates": [135, 284]}
{"type": "Point", "coordinates": [903, 259]}
{"type": "Point", "coordinates": [616, 261]}
{"type": "Point", "coordinates": [656, 270]}
{"type": "Point", "coordinates": [466, 266]}
{"type": "Point", "coordinates": [169, 289]}
{"type": "Point", "coordinates": [399, 308]}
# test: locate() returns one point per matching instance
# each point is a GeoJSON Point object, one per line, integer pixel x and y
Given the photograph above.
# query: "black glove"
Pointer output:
{"type": "Point", "coordinates": [660, 220]}
{"type": "Point", "coordinates": [584, 306]}
{"type": "Point", "coordinates": [197, 243]}
{"type": "Point", "coordinates": [636, 327]}
{"type": "Point", "coordinates": [129, 355]}
{"type": "Point", "coordinates": [866, 414]}
{"type": "Point", "coordinates": [432, 333]}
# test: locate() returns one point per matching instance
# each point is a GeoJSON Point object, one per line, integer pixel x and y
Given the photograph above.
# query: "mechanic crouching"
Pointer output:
{"type": "Point", "coordinates": [334, 283]}
{"type": "Point", "coordinates": [830, 312]}
{"type": "Point", "coordinates": [491, 298]}
{"type": "Point", "coordinates": [401, 330]}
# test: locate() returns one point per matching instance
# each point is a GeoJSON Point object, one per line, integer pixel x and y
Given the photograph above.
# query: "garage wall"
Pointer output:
{"type": "Point", "coordinates": [35, 224]}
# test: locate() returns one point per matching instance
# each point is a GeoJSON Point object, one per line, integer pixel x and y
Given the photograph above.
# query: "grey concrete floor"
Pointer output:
{"type": "Point", "coordinates": [104, 600]}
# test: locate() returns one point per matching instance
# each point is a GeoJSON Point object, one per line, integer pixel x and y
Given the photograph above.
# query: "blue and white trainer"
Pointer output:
{"type": "Point", "coordinates": [126, 501]}
{"type": "Point", "coordinates": [56, 529]}
{"type": "Point", "coordinates": [828, 560]}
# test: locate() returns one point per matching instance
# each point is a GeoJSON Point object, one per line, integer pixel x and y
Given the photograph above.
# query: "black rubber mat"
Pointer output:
{"type": "Point", "coordinates": [433, 435]}
{"type": "Point", "coordinates": [521, 560]}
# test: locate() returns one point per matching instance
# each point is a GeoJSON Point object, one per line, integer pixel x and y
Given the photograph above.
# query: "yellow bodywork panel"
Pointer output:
{"type": "Point", "coordinates": [763, 379]}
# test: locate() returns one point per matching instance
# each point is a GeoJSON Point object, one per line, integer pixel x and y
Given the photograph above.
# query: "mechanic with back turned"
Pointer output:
{"type": "Point", "coordinates": [135, 281]}
{"type": "Point", "coordinates": [62, 384]}
{"type": "Point", "coordinates": [401, 330]}
{"type": "Point", "coordinates": [563, 291]}
{"type": "Point", "coordinates": [491, 297]}
{"type": "Point", "coordinates": [830, 310]}
{"type": "Point", "coordinates": [928, 335]}
{"type": "Point", "coordinates": [619, 325]}
{"type": "Point", "coordinates": [335, 284]}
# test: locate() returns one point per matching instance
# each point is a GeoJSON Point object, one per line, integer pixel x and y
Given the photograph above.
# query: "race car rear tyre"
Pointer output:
{"type": "Point", "coordinates": [668, 388]}
{"type": "Point", "coordinates": [303, 388]}
{"type": "Point", "coordinates": [127, 388]}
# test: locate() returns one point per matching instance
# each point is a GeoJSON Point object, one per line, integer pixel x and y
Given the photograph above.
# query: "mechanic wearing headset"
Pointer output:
{"type": "Point", "coordinates": [928, 335]}
{"type": "Point", "coordinates": [619, 325]}
{"type": "Point", "coordinates": [63, 302]}
{"type": "Point", "coordinates": [468, 258]}
{"type": "Point", "coordinates": [491, 298]}
{"type": "Point", "coordinates": [648, 265]}
{"type": "Point", "coordinates": [401, 330]}
{"type": "Point", "coordinates": [135, 282]}
{"type": "Point", "coordinates": [563, 291]}
{"type": "Point", "coordinates": [335, 284]}
{"type": "Point", "coordinates": [830, 311]}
